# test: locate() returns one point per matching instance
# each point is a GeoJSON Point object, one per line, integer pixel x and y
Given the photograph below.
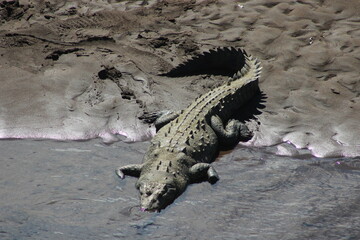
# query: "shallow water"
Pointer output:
{"type": "Point", "coordinates": [68, 190]}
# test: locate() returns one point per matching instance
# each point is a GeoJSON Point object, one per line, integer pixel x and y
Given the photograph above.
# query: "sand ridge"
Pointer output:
{"type": "Point", "coordinates": [75, 70]}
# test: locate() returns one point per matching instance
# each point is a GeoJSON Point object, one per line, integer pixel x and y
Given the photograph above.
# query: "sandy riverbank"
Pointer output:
{"type": "Point", "coordinates": [53, 54]}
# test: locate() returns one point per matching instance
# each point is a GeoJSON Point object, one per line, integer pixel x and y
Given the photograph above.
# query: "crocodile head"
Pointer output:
{"type": "Point", "coordinates": [161, 180]}
{"type": "Point", "coordinates": [155, 196]}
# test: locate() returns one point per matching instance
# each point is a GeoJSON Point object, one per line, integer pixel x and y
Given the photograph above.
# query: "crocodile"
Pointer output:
{"type": "Point", "coordinates": [187, 142]}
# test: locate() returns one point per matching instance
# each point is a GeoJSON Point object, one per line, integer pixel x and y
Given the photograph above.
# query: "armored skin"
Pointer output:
{"type": "Point", "coordinates": [187, 142]}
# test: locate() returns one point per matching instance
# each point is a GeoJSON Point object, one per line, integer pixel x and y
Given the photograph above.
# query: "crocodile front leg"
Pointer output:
{"type": "Point", "coordinates": [160, 118]}
{"type": "Point", "coordinates": [133, 170]}
{"type": "Point", "coordinates": [232, 133]}
{"type": "Point", "coordinates": [200, 171]}
{"type": "Point", "coordinates": [165, 118]}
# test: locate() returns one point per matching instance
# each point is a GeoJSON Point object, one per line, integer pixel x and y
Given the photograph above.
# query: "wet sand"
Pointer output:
{"type": "Point", "coordinates": [73, 71]}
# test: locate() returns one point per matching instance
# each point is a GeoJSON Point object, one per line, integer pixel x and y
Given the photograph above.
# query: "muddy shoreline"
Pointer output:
{"type": "Point", "coordinates": [81, 71]}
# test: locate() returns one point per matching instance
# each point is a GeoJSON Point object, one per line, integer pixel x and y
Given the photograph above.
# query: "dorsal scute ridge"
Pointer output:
{"type": "Point", "coordinates": [225, 61]}
{"type": "Point", "coordinates": [251, 66]}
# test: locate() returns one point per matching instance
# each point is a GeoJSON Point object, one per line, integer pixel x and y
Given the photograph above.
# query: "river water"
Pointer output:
{"type": "Point", "coordinates": [68, 190]}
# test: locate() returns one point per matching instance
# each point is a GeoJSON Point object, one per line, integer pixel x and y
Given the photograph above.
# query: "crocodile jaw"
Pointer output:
{"type": "Point", "coordinates": [155, 196]}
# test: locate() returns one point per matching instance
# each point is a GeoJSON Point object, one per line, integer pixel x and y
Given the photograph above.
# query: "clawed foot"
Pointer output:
{"type": "Point", "coordinates": [245, 133]}
{"type": "Point", "coordinates": [160, 118]}
{"type": "Point", "coordinates": [213, 177]}
{"type": "Point", "coordinates": [120, 173]}
{"type": "Point", "coordinates": [150, 117]}
{"type": "Point", "coordinates": [133, 170]}
{"type": "Point", "coordinates": [201, 171]}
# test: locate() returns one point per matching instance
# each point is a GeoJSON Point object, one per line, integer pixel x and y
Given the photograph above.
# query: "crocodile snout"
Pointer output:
{"type": "Point", "coordinates": [150, 204]}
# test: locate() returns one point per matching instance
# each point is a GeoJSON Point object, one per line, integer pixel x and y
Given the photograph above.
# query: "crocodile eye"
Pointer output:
{"type": "Point", "coordinates": [168, 191]}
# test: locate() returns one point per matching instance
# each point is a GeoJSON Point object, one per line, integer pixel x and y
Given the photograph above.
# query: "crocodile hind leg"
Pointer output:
{"type": "Point", "coordinates": [160, 118]}
{"type": "Point", "coordinates": [133, 170]}
{"type": "Point", "coordinates": [232, 133]}
{"type": "Point", "coordinates": [201, 171]}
